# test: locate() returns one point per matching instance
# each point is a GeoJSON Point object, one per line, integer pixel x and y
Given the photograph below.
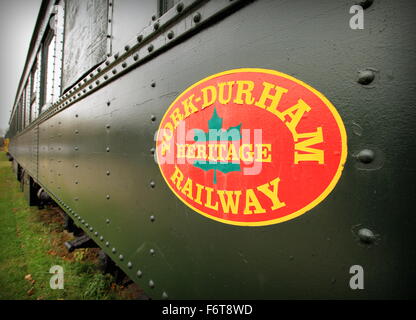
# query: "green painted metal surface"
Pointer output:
{"type": "Point", "coordinates": [96, 157]}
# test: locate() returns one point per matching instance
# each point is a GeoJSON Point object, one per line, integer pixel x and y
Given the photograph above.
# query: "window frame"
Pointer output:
{"type": "Point", "coordinates": [48, 38]}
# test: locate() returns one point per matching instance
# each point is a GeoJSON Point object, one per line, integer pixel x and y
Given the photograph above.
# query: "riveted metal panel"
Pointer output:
{"type": "Point", "coordinates": [107, 138]}
{"type": "Point", "coordinates": [304, 258]}
{"type": "Point", "coordinates": [24, 150]}
{"type": "Point", "coordinates": [124, 28]}
{"type": "Point", "coordinates": [85, 37]}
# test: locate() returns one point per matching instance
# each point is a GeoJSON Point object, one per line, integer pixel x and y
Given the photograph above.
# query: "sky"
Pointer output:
{"type": "Point", "coordinates": [17, 21]}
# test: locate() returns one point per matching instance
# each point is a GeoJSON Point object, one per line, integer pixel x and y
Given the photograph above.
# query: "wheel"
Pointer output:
{"type": "Point", "coordinates": [106, 265]}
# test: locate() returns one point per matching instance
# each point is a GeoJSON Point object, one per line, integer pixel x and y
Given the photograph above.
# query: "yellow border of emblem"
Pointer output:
{"type": "Point", "coordinates": [315, 202]}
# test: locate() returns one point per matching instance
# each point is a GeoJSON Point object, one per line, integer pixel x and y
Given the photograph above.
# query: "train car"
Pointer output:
{"type": "Point", "coordinates": [229, 149]}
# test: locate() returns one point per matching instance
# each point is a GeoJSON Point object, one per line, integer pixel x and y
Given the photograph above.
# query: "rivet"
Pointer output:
{"type": "Point", "coordinates": [150, 48]}
{"type": "Point", "coordinates": [127, 48]}
{"type": "Point", "coordinates": [136, 57]}
{"type": "Point", "coordinates": [101, 238]}
{"type": "Point", "coordinates": [366, 76]}
{"type": "Point", "coordinates": [107, 221]}
{"type": "Point", "coordinates": [84, 90]}
{"type": "Point", "coordinates": [107, 243]}
{"type": "Point", "coordinates": [152, 252]}
{"type": "Point", "coordinates": [97, 82]}
{"type": "Point", "coordinates": [76, 199]}
{"type": "Point", "coordinates": [108, 173]}
{"type": "Point", "coordinates": [113, 250]}
{"type": "Point", "coordinates": [121, 257]}
{"type": "Point", "coordinates": [105, 77]}
{"type": "Point", "coordinates": [108, 126]}
{"type": "Point", "coordinates": [129, 265]}
{"type": "Point", "coordinates": [87, 225]}
{"type": "Point", "coordinates": [82, 221]}
{"type": "Point", "coordinates": [152, 218]}
{"type": "Point", "coordinates": [108, 103]}
{"type": "Point", "coordinates": [91, 229]}
{"type": "Point", "coordinates": [114, 71]}
{"type": "Point", "coordinates": [366, 235]}
{"type": "Point", "coordinates": [366, 156]}
{"type": "Point", "coordinates": [76, 182]}
{"type": "Point", "coordinates": [116, 56]}
{"type": "Point", "coordinates": [152, 184]}
{"type": "Point", "coordinates": [197, 17]}
{"type": "Point", "coordinates": [140, 38]}
{"type": "Point", "coordinates": [179, 7]}
{"type": "Point", "coordinates": [76, 116]}
{"type": "Point", "coordinates": [153, 17]}
{"type": "Point", "coordinates": [96, 233]}
{"type": "Point", "coordinates": [91, 75]}
{"type": "Point", "coordinates": [139, 273]}
{"type": "Point", "coordinates": [156, 25]}
{"type": "Point", "coordinates": [98, 70]}
{"type": "Point", "coordinates": [151, 284]}
{"type": "Point", "coordinates": [107, 62]}
{"type": "Point", "coordinates": [76, 148]}
{"type": "Point", "coordinates": [170, 34]}
{"type": "Point", "coordinates": [124, 64]}
{"type": "Point", "coordinates": [152, 150]}
{"type": "Point", "coordinates": [153, 117]}
{"type": "Point", "coordinates": [153, 84]}
{"type": "Point", "coordinates": [90, 86]}
{"type": "Point", "coordinates": [164, 295]}
{"type": "Point", "coordinates": [108, 196]}
{"type": "Point", "coordinates": [107, 149]}
{"type": "Point", "coordinates": [76, 166]}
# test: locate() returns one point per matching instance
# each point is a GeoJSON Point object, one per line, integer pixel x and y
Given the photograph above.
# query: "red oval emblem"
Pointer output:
{"type": "Point", "coordinates": [251, 147]}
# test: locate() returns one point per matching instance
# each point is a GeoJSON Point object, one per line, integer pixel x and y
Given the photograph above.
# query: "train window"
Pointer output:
{"type": "Point", "coordinates": [24, 110]}
{"type": "Point", "coordinates": [86, 29]}
{"type": "Point", "coordinates": [52, 60]}
{"type": "Point", "coordinates": [20, 116]}
{"type": "Point", "coordinates": [34, 88]}
{"type": "Point", "coordinates": [48, 54]}
{"type": "Point", "coordinates": [27, 103]}
{"type": "Point", "coordinates": [165, 5]}
{"type": "Point", "coordinates": [22, 106]}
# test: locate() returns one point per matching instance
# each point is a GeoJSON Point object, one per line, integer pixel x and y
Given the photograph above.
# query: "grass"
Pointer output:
{"type": "Point", "coordinates": [31, 242]}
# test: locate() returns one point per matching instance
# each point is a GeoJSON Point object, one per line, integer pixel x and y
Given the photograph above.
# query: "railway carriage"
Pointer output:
{"type": "Point", "coordinates": [108, 85]}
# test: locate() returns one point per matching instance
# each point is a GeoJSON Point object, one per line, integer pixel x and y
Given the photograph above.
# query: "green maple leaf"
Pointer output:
{"type": "Point", "coordinates": [215, 133]}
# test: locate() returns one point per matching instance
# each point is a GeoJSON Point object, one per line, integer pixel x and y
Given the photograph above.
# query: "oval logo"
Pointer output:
{"type": "Point", "coordinates": [251, 147]}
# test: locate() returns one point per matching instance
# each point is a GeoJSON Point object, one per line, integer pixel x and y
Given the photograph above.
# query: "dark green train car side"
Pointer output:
{"type": "Point", "coordinates": [98, 79]}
